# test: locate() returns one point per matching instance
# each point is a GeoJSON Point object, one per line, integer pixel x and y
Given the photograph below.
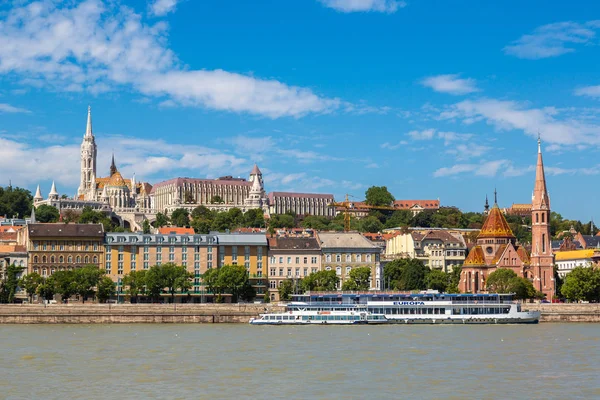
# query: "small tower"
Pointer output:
{"type": "Point", "coordinates": [32, 218]}
{"type": "Point", "coordinates": [113, 166]}
{"type": "Point", "coordinates": [53, 195]}
{"type": "Point", "coordinates": [257, 196]}
{"type": "Point", "coordinates": [38, 195]}
{"type": "Point", "coordinates": [486, 207]}
{"type": "Point", "coordinates": [88, 161]}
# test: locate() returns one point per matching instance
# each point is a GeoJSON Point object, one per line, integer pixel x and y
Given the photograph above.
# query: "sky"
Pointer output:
{"type": "Point", "coordinates": [431, 98]}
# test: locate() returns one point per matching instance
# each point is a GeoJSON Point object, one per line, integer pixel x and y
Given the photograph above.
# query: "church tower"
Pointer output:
{"type": "Point", "coordinates": [542, 258]}
{"type": "Point", "coordinates": [88, 162]}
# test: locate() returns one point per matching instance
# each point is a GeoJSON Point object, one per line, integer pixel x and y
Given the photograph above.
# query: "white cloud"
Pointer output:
{"type": "Point", "coordinates": [7, 108]}
{"type": "Point", "coordinates": [422, 135]}
{"type": "Point", "coordinates": [489, 168]}
{"type": "Point", "coordinates": [553, 40]}
{"type": "Point", "coordinates": [451, 83]}
{"type": "Point", "coordinates": [589, 91]}
{"type": "Point", "coordinates": [390, 146]}
{"type": "Point", "coordinates": [162, 7]}
{"type": "Point", "coordinates": [509, 115]}
{"type": "Point", "coordinates": [349, 6]}
{"type": "Point", "coordinates": [372, 166]}
{"type": "Point", "coordinates": [464, 151]}
{"type": "Point", "coordinates": [97, 46]}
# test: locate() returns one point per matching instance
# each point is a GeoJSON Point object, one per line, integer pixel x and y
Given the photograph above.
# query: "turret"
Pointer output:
{"type": "Point", "coordinates": [53, 195]}
{"type": "Point", "coordinates": [38, 195]}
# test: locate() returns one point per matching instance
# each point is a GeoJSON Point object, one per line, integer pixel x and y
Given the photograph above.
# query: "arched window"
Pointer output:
{"type": "Point", "coordinates": [51, 259]}
{"type": "Point", "coordinates": [368, 258]}
{"type": "Point", "coordinates": [537, 217]}
{"type": "Point", "coordinates": [358, 258]}
{"type": "Point", "coordinates": [78, 259]}
{"type": "Point", "coordinates": [35, 259]}
{"type": "Point", "coordinates": [43, 259]}
{"type": "Point", "coordinates": [543, 217]}
{"type": "Point", "coordinates": [328, 269]}
{"type": "Point", "coordinates": [328, 258]}
{"type": "Point", "coordinates": [338, 258]}
{"type": "Point", "coordinates": [70, 259]}
{"type": "Point", "coordinates": [61, 259]}
{"type": "Point", "coordinates": [348, 258]}
{"type": "Point", "coordinates": [348, 269]}
{"type": "Point", "coordinates": [338, 270]}
{"type": "Point", "coordinates": [86, 259]}
{"type": "Point", "coordinates": [95, 259]}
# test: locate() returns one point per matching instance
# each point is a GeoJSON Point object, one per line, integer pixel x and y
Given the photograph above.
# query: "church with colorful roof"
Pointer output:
{"type": "Point", "coordinates": [497, 246]}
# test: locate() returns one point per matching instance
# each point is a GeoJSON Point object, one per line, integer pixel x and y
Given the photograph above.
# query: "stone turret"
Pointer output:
{"type": "Point", "coordinates": [38, 195]}
{"type": "Point", "coordinates": [53, 195]}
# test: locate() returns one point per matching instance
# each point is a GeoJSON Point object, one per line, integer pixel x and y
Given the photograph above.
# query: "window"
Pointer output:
{"type": "Point", "coordinates": [368, 258]}
{"type": "Point", "coordinates": [305, 272]}
{"type": "Point", "coordinates": [289, 260]}
{"type": "Point", "coordinates": [184, 257]}
{"type": "Point", "coordinates": [158, 257]}
{"type": "Point", "coordinates": [338, 270]}
{"type": "Point", "coordinates": [52, 259]}
{"type": "Point", "coordinates": [120, 257]}
{"type": "Point", "coordinates": [259, 253]}
{"type": "Point", "coordinates": [328, 258]}
{"type": "Point", "coordinates": [35, 259]}
{"type": "Point", "coordinates": [289, 272]}
{"type": "Point", "coordinates": [146, 249]}
{"type": "Point", "coordinates": [273, 284]}
{"type": "Point", "coordinates": [358, 258]}
{"type": "Point", "coordinates": [537, 217]}
{"type": "Point", "coordinates": [70, 259]}
{"type": "Point", "coordinates": [272, 271]}
{"type": "Point", "coordinates": [348, 269]}
{"type": "Point", "coordinates": [234, 253]}
{"type": "Point", "coordinates": [297, 272]}
{"type": "Point", "coordinates": [133, 266]}
{"type": "Point", "coordinates": [171, 257]}
{"type": "Point", "coordinates": [273, 260]}
{"type": "Point", "coordinates": [338, 258]}
{"type": "Point", "coordinates": [348, 258]}
{"type": "Point", "coordinates": [305, 260]}
{"type": "Point", "coordinates": [313, 260]}
{"type": "Point", "coordinates": [543, 217]}
{"type": "Point", "coordinates": [145, 264]}
{"type": "Point", "coordinates": [171, 249]}
{"type": "Point", "coordinates": [280, 271]}
{"type": "Point", "coordinates": [86, 259]}
{"type": "Point", "coordinates": [246, 253]}
{"type": "Point", "coordinates": [61, 259]}
{"type": "Point", "coordinates": [280, 260]}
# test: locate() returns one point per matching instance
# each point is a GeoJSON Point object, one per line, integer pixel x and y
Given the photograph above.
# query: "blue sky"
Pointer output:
{"type": "Point", "coordinates": [432, 98]}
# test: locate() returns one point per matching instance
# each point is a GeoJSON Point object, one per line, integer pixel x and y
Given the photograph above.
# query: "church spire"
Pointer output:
{"type": "Point", "coordinates": [486, 208]}
{"type": "Point", "coordinates": [113, 166]}
{"type": "Point", "coordinates": [540, 192]}
{"type": "Point", "coordinates": [88, 128]}
{"type": "Point", "coordinates": [38, 194]}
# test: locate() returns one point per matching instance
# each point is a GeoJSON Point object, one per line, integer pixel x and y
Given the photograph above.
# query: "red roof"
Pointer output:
{"type": "Point", "coordinates": [426, 204]}
{"type": "Point", "coordinates": [175, 230]}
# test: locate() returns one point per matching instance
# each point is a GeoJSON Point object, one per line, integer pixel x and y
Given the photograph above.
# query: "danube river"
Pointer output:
{"type": "Point", "coordinates": [240, 361]}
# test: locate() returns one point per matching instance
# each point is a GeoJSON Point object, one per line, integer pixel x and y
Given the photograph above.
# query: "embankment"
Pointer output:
{"type": "Point", "coordinates": [567, 312]}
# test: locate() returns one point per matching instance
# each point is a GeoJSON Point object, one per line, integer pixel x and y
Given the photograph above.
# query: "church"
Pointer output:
{"type": "Point", "coordinates": [497, 246]}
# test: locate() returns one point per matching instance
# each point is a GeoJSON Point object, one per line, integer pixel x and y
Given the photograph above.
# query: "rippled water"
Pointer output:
{"type": "Point", "coordinates": [241, 361]}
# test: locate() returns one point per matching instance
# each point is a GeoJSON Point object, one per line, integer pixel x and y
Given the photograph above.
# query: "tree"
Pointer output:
{"type": "Point", "coordinates": [63, 283]}
{"type": "Point", "coordinates": [286, 289]}
{"type": "Point", "coordinates": [437, 280]}
{"type": "Point", "coordinates": [161, 220]}
{"type": "Point", "coordinates": [216, 199]}
{"type": "Point", "coordinates": [454, 280]}
{"type": "Point", "coordinates": [201, 225]}
{"type": "Point", "coordinates": [254, 218]}
{"type": "Point", "coordinates": [378, 196]}
{"type": "Point", "coordinates": [135, 281]}
{"type": "Point", "coordinates": [315, 222]}
{"type": "Point", "coordinates": [10, 283]}
{"type": "Point", "coordinates": [501, 280]}
{"type": "Point", "coordinates": [282, 221]}
{"type": "Point", "coordinates": [46, 289]}
{"type": "Point", "coordinates": [202, 212]}
{"type": "Point", "coordinates": [212, 282]}
{"type": "Point", "coordinates": [359, 279]}
{"type": "Point", "coordinates": [321, 281]}
{"type": "Point", "coordinates": [46, 213]}
{"type": "Point", "coordinates": [582, 283]}
{"type": "Point", "coordinates": [371, 224]}
{"type": "Point", "coordinates": [69, 216]}
{"type": "Point", "coordinates": [106, 289]}
{"type": "Point", "coordinates": [15, 202]}
{"type": "Point", "coordinates": [234, 279]}
{"type": "Point", "coordinates": [146, 227]}
{"type": "Point", "coordinates": [85, 279]}
{"type": "Point", "coordinates": [399, 218]}
{"type": "Point", "coordinates": [522, 288]}
{"type": "Point", "coordinates": [405, 274]}
{"type": "Point", "coordinates": [180, 217]}
{"type": "Point", "coordinates": [30, 283]}
{"type": "Point", "coordinates": [170, 276]}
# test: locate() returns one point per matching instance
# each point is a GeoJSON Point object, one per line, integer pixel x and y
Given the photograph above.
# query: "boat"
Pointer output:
{"type": "Point", "coordinates": [303, 314]}
{"type": "Point", "coordinates": [423, 308]}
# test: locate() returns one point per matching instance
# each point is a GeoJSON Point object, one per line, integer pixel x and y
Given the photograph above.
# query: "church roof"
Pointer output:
{"type": "Point", "coordinates": [495, 225]}
{"type": "Point", "coordinates": [523, 255]}
{"type": "Point", "coordinates": [475, 257]}
{"type": "Point", "coordinates": [116, 179]}
{"type": "Point", "coordinates": [255, 170]}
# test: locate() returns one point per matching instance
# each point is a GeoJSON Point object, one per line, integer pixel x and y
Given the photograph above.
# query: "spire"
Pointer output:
{"type": "Point", "coordinates": [88, 128]}
{"type": "Point", "coordinates": [539, 143]}
{"type": "Point", "coordinates": [113, 167]}
{"type": "Point", "coordinates": [53, 192]}
{"type": "Point", "coordinates": [487, 204]}
{"type": "Point", "coordinates": [495, 197]}
{"type": "Point", "coordinates": [540, 192]}
{"type": "Point", "coordinates": [32, 218]}
{"type": "Point", "coordinates": [104, 195]}
{"type": "Point", "coordinates": [38, 194]}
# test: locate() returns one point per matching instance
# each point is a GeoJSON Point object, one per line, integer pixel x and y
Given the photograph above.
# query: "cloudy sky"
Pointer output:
{"type": "Point", "coordinates": [433, 98]}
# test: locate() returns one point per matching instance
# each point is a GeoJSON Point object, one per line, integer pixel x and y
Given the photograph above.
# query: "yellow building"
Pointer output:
{"type": "Point", "coordinates": [565, 261]}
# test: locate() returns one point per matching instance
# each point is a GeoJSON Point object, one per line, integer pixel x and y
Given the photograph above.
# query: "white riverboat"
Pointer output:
{"type": "Point", "coordinates": [425, 308]}
{"type": "Point", "coordinates": [301, 314]}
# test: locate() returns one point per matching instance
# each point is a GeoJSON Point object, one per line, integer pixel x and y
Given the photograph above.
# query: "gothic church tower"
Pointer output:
{"type": "Point", "coordinates": [88, 162]}
{"type": "Point", "coordinates": [542, 258]}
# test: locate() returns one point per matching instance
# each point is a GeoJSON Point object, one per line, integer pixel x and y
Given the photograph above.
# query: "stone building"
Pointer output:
{"type": "Point", "coordinates": [342, 251]}
{"type": "Point", "coordinates": [59, 247]}
{"type": "Point", "coordinates": [219, 194]}
{"type": "Point", "coordinates": [301, 203]}
{"type": "Point", "coordinates": [416, 206]}
{"type": "Point", "coordinates": [567, 260]}
{"type": "Point", "coordinates": [291, 258]}
{"type": "Point", "coordinates": [497, 248]}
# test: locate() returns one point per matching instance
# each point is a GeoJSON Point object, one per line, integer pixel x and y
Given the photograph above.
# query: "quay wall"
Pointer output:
{"type": "Point", "coordinates": [213, 313]}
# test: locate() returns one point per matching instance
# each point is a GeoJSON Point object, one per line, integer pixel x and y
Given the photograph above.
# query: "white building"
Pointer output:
{"type": "Point", "coordinates": [565, 261]}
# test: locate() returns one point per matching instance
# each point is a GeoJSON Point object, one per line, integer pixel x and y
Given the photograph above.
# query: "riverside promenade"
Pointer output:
{"type": "Point", "coordinates": [78, 313]}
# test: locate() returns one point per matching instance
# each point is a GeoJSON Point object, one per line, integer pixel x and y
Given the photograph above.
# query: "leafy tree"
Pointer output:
{"type": "Point", "coordinates": [106, 289]}
{"type": "Point", "coordinates": [85, 279]}
{"type": "Point", "coordinates": [399, 218]}
{"type": "Point", "coordinates": [582, 283]}
{"type": "Point", "coordinates": [282, 221]}
{"type": "Point", "coordinates": [30, 283]}
{"type": "Point", "coordinates": [201, 225]}
{"type": "Point", "coordinates": [378, 196]}
{"type": "Point", "coordinates": [161, 220]}
{"type": "Point", "coordinates": [10, 283]}
{"type": "Point", "coordinates": [286, 289]}
{"type": "Point", "coordinates": [437, 280]}
{"type": "Point", "coordinates": [321, 281]}
{"type": "Point", "coordinates": [154, 282]}
{"type": "Point", "coordinates": [501, 280]}
{"type": "Point", "coordinates": [202, 212]}
{"type": "Point", "coordinates": [46, 213]}
{"type": "Point", "coordinates": [69, 216]}
{"type": "Point", "coordinates": [212, 282]}
{"type": "Point", "coordinates": [359, 279]}
{"type": "Point", "coordinates": [91, 216]}
{"type": "Point", "coordinates": [180, 217]}
{"type": "Point", "coordinates": [63, 283]}
{"type": "Point", "coordinates": [454, 280]}
{"type": "Point", "coordinates": [254, 218]}
{"type": "Point", "coordinates": [169, 276]}
{"type": "Point", "coordinates": [46, 289]}
{"type": "Point", "coordinates": [222, 222]}
{"type": "Point", "coordinates": [15, 202]}
{"type": "Point", "coordinates": [216, 200]}
{"type": "Point", "coordinates": [234, 279]}
{"type": "Point", "coordinates": [370, 224]}
{"type": "Point", "coordinates": [146, 227]}
{"type": "Point", "coordinates": [405, 274]}
{"type": "Point", "coordinates": [522, 288]}
{"type": "Point", "coordinates": [236, 216]}
{"type": "Point", "coordinates": [135, 281]}
{"type": "Point", "coordinates": [315, 222]}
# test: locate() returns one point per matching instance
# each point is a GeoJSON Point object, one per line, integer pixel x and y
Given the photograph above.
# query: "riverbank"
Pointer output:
{"type": "Point", "coordinates": [212, 313]}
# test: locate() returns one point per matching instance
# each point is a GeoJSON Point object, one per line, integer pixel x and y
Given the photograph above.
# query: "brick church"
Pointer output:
{"type": "Point", "coordinates": [497, 246]}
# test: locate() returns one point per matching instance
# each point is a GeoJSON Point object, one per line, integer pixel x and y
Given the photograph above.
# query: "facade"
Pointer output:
{"type": "Point", "coordinates": [59, 247]}
{"type": "Point", "coordinates": [291, 258]}
{"type": "Point", "coordinates": [567, 260]}
{"type": "Point", "coordinates": [191, 192]}
{"type": "Point", "coordinates": [438, 249]}
{"type": "Point", "coordinates": [522, 210]}
{"type": "Point", "coordinates": [416, 206]}
{"type": "Point", "coordinates": [301, 204]}
{"type": "Point", "coordinates": [342, 251]}
{"type": "Point", "coordinates": [126, 252]}
{"type": "Point", "coordinates": [249, 250]}
{"type": "Point", "coordinates": [497, 248]}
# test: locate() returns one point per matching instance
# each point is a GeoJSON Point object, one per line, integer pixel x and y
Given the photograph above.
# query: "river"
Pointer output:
{"type": "Point", "coordinates": [354, 362]}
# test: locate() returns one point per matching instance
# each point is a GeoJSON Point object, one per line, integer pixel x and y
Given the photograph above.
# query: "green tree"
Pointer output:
{"type": "Point", "coordinates": [180, 217]}
{"type": "Point", "coordinates": [582, 283]}
{"type": "Point", "coordinates": [30, 283]}
{"type": "Point", "coordinates": [135, 281]}
{"type": "Point", "coordinates": [63, 282]}
{"type": "Point", "coordinates": [359, 279]}
{"type": "Point", "coordinates": [370, 224]}
{"type": "Point", "coordinates": [437, 280]}
{"type": "Point", "coordinates": [454, 280]}
{"type": "Point", "coordinates": [212, 282]}
{"type": "Point", "coordinates": [321, 281]}
{"type": "Point", "coordinates": [15, 202]}
{"type": "Point", "coordinates": [405, 274]}
{"type": "Point", "coordinates": [216, 199]}
{"type": "Point", "coordinates": [378, 196]}
{"type": "Point", "coordinates": [202, 212]}
{"type": "Point", "coordinates": [501, 280]}
{"type": "Point", "coordinates": [282, 221]}
{"type": "Point", "coordinates": [106, 289]}
{"type": "Point", "coordinates": [10, 283]}
{"type": "Point", "coordinates": [315, 222]}
{"type": "Point", "coordinates": [161, 220]}
{"type": "Point", "coordinates": [201, 225]}
{"type": "Point", "coordinates": [286, 289]}
{"type": "Point", "coordinates": [522, 288]}
{"type": "Point", "coordinates": [46, 289]}
{"type": "Point", "coordinates": [167, 276]}
{"type": "Point", "coordinates": [399, 218]}
{"type": "Point", "coordinates": [85, 279]}
{"type": "Point", "coordinates": [254, 218]}
{"type": "Point", "coordinates": [146, 227]}
{"type": "Point", "coordinates": [222, 222]}
{"type": "Point", "coordinates": [234, 279]}
{"type": "Point", "coordinates": [46, 213]}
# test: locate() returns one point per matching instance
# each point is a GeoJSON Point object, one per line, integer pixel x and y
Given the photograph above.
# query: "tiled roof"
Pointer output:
{"type": "Point", "coordinates": [523, 255]}
{"type": "Point", "coordinates": [475, 257]}
{"type": "Point", "coordinates": [499, 253]}
{"type": "Point", "coordinates": [426, 204]}
{"type": "Point", "coordinates": [226, 181]}
{"type": "Point", "coordinates": [11, 248]}
{"type": "Point", "coordinates": [591, 241]}
{"type": "Point", "coordinates": [288, 243]}
{"type": "Point", "coordinates": [574, 254]}
{"type": "Point", "coordinates": [344, 240]}
{"type": "Point", "coordinates": [175, 230]}
{"type": "Point", "coordinates": [443, 236]}
{"type": "Point", "coordinates": [71, 230]}
{"type": "Point", "coordinates": [495, 225]}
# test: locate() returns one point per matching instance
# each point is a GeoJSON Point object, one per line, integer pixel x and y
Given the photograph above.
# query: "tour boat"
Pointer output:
{"type": "Point", "coordinates": [300, 315]}
{"type": "Point", "coordinates": [423, 308]}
